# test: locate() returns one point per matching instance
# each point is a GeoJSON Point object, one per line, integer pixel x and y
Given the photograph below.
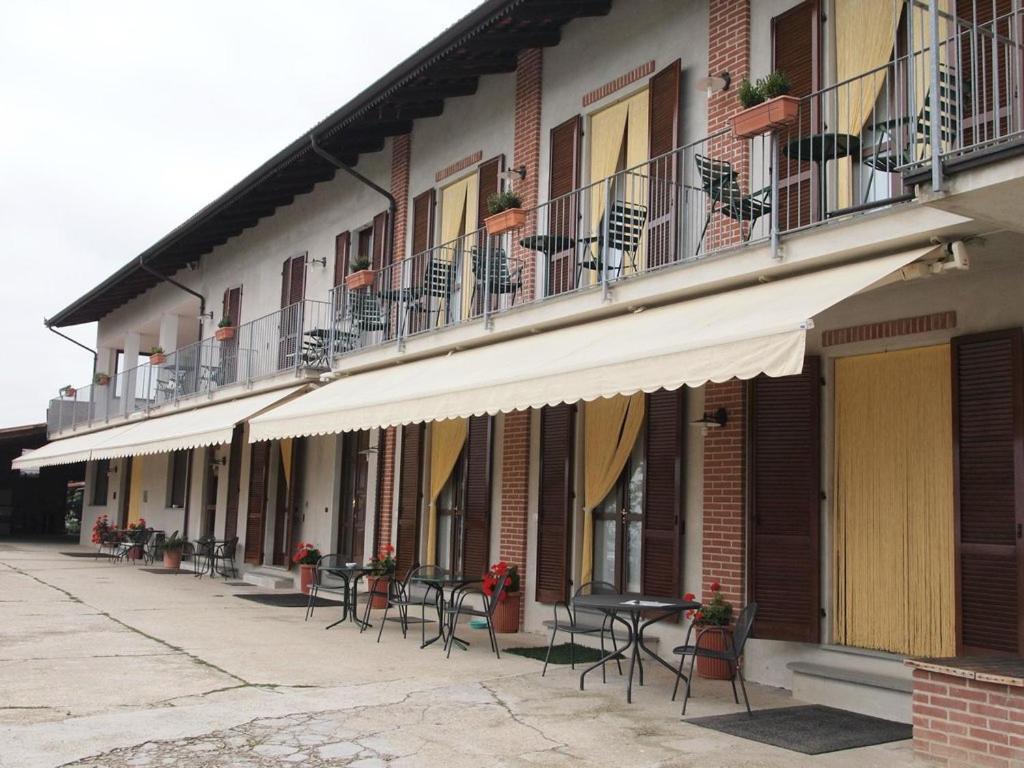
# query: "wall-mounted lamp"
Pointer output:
{"type": "Point", "coordinates": [714, 83]}
{"type": "Point", "coordinates": [222, 461]}
{"type": "Point", "coordinates": [514, 173]}
{"type": "Point", "coordinates": [111, 470]}
{"type": "Point", "coordinates": [322, 261]}
{"type": "Point", "coordinates": [714, 420]}
{"type": "Point", "coordinates": [206, 316]}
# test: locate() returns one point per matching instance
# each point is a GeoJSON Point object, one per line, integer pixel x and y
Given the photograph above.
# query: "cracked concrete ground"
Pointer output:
{"type": "Point", "coordinates": [106, 666]}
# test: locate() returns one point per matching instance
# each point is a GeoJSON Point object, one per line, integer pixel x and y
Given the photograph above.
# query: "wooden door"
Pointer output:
{"type": "Point", "coordinates": [785, 495]}
{"type": "Point", "coordinates": [554, 512]}
{"type": "Point", "coordinates": [288, 491]}
{"type": "Point", "coordinates": [988, 472]}
{"type": "Point", "coordinates": [354, 480]}
{"type": "Point", "coordinates": [232, 310]}
{"type": "Point", "coordinates": [661, 568]}
{"type": "Point", "coordinates": [663, 195]}
{"type": "Point", "coordinates": [476, 518]}
{"type": "Point", "coordinates": [259, 465]}
{"type": "Point", "coordinates": [341, 256]}
{"type": "Point", "coordinates": [211, 483]}
{"type": "Point", "coordinates": [563, 209]}
{"type": "Point", "coordinates": [410, 494]}
{"type": "Point", "coordinates": [293, 288]}
{"type": "Point", "coordinates": [234, 482]}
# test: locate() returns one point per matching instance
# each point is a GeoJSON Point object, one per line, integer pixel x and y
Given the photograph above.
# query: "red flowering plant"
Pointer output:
{"type": "Point", "coordinates": [494, 574]}
{"type": "Point", "coordinates": [138, 525]}
{"type": "Point", "coordinates": [306, 554]}
{"type": "Point", "coordinates": [383, 563]}
{"type": "Point", "coordinates": [100, 528]}
{"type": "Point", "coordinates": [716, 612]}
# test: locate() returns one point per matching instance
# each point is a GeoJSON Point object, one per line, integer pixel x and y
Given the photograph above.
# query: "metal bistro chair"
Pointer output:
{"type": "Point", "coordinates": [202, 555]}
{"type": "Point", "coordinates": [579, 621]}
{"type": "Point", "coordinates": [732, 654]}
{"type": "Point", "coordinates": [365, 315]}
{"type": "Point", "coordinates": [500, 280]}
{"type": "Point", "coordinates": [459, 608]}
{"type": "Point", "coordinates": [722, 186]}
{"type": "Point", "coordinates": [138, 539]}
{"type": "Point", "coordinates": [625, 230]}
{"type": "Point", "coordinates": [410, 593]}
{"type": "Point", "coordinates": [435, 293]}
{"type": "Point", "coordinates": [224, 554]}
{"type": "Point", "coordinates": [325, 579]}
{"type": "Point", "coordinates": [155, 548]}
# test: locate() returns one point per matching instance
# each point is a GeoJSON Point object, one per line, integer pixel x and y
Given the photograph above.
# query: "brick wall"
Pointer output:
{"type": "Point", "coordinates": [724, 504]}
{"type": "Point", "coordinates": [515, 491]}
{"type": "Point", "coordinates": [527, 147]}
{"type": "Point", "coordinates": [386, 466]}
{"type": "Point", "coordinates": [960, 722]}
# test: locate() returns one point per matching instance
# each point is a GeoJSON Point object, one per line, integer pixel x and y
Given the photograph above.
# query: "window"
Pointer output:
{"type": "Point", "coordinates": [618, 526]}
{"type": "Point", "coordinates": [100, 482]}
{"type": "Point", "coordinates": [178, 479]}
{"type": "Point", "coordinates": [120, 366]}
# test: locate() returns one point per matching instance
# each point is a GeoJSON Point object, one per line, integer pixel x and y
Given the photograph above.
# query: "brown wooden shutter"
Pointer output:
{"type": "Point", "coordinates": [476, 519]}
{"type": "Point", "coordinates": [488, 183]}
{"type": "Point", "coordinates": [562, 214]}
{"type": "Point", "coordinates": [259, 465]}
{"type": "Point", "coordinates": [422, 222]}
{"type": "Point", "coordinates": [293, 280]}
{"type": "Point", "coordinates": [234, 482]}
{"type": "Point", "coordinates": [229, 347]}
{"type": "Point", "coordinates": [988, 446]}
{"type": "Point", "coordinates": [796, 52]}
{"type": "Point", "coordinates": [661, 557]}
{"type": "Point", "coordinates": [380, 228]}
{"type": "Point", "coordinates": [554, 512]}
{"type": "Point", "coordinates": [785, 498]}
{"type": "Point", "coordinates": [663, 95]}
{"type": "Point", "coordinates": [410, 490]}
{"type": "Point", "coordinates": [232, 308]}
{"type": "Point", "coordinates": [341, 246]}
{"type": "Point", "coordinates": [294, 499]}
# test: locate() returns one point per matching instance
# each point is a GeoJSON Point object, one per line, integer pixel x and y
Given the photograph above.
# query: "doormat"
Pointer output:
{"type": "Point", "coordinates": [86, 554]}
{"type": "Point", "coordinates": [560, 654]}
{"type": "Point", "coordinates": [811, 730]}
{"type": "Point", "coordinates": [289, 600]}
{"type": "Point", "coordinates": [167, 571]}
{"type": "Point", "coordinates": [239, 584]}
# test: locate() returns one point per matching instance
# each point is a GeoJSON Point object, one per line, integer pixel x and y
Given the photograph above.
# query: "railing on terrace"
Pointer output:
{"type": "Point", "coordinates": [294, 338]}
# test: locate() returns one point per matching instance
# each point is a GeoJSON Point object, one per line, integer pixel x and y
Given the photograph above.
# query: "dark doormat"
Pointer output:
{"type": "Point", "coordinates": [289, 600]}
{"type": "Point", "coordinates": [239, 584]}
{"type": "Point", "coordinates": [167, 571]}
{"type": "Point", "coordinates": [86, 554]}
{"type": "Point", "coordinates": [812, 730]}
{"type": "Point", "coordinates": [560, 653]}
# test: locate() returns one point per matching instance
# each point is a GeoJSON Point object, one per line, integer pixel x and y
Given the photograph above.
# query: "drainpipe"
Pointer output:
{"type": "Point", "coordinates": [90, 350]}
{"type": "Point", "coordinates": [176, 284]}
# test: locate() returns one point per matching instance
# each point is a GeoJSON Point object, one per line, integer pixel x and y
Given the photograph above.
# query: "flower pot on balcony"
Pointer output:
{"type": "Point", "coordinates": [102, 379]}
{"type": "Point", "coordinates": [506, 615]}
{"type": "Point", "coordinates": [714, 639]}
{"type": "Point", "coordinates": [771, 115]}
{"type": "Point", "coordinates": [362, 279]}
{"type": "Point", "coordinates": [69, 392]}
{"type": "Point", "coordinates": [510, 218]}
{"type": "Point", "coordinates": [224, 333]}
{"type": "Point", "coordinates": [158, 358]}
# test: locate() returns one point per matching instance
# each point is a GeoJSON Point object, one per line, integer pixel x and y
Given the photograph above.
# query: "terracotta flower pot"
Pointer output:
{"type": "Point", "coordinates": [102, 380]}
{"type": "Point", "coordinates": [172, 559]}
{"type": "Point", "coordinates": [362, 279]}
{"type": "Point", "coordinates": [506, 615]}
{"type": "Point", "coordinates": [69, 392]}
{"type": "Point", "coordinates": [771, 115]}
{"type": "Point", "coordinates": [157, 359]}
{"type": "Point", "coordinates": [510, 218]}
{"type": "Point", "coordinates": [307, 575]}
{"type": "Point", "coordinates": [378, 587]}
{"type": "Point", "coordinates": [714, 639]}
{"type": "Point", "coordinates": [224, 333]}
{"type": "Point", "coordinates": [135, 553]}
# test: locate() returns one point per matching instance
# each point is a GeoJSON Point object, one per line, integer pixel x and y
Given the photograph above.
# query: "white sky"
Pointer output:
{"type": "Point", "coordinates": [118, 120]}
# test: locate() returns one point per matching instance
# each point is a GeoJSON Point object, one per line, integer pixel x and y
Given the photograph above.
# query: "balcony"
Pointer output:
{"type": "Point", "coordinates": [294, 339]}
{"type": "Point", "coordinates": [855, 146]}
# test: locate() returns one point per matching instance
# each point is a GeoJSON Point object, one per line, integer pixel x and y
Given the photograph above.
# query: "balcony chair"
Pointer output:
{"type": "Point", "coordinates": [364, 315]}
{"type": "Point", "coordinates": [579, 621]}
{"type": "Point", "coordinates": [412, 593]}
{"type": "Point", "coordinates": [625, 230]}
{"type": "Point", "coordinates": [458, 607]}
{"type": "Point", "coordinates": [501, 279]}
{"type": "Point", "coordinates": [435, 293]}
{"type": "Point", "coordinates": [722, 186]}
{"type": "Point", "coordinates": [732, 654]}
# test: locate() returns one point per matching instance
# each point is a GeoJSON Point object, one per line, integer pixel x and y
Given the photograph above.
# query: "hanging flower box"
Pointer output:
{"type": "Point", "coordinates": [101, 379]}
{"type": "Point", "coordinates": [770, 115]}
{"type": "Point", "coordinates": [510, 218]}
{"type": "Point", "coordinates": [224, 333]}
{"type": "Point", "coordinates": [69, 392]}
{"type": "Point", "coordinates": [157, 358]}
{"type": "Point", "coordinates": [362, 279]}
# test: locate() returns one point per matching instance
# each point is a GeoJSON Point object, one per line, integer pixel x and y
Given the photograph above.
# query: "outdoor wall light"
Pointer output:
{"type": "Point", "coordinates": [322, 261]}
{"type": "Point", "coordinates": [222, 461]}
{"type": "Point", "coordinates": [714, 420]}
{"type": "Point", "coordinates": [515, 173]}
{"type": "Point", "coordinates": [714, 83]}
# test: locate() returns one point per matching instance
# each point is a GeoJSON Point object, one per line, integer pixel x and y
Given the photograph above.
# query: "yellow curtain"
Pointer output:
{"type": "Point", "coordinates": [865, 35]}
{"type": "Point", "coordinates": [458, 217]}
{"type": "Point", "coordinates": [135, 490]}
{"type": "Point", "coordinates": [446, 441]}
{"type": "Point", "coordinates": [893, 543]}
{"type": "Point", "coordinates": [610, 427]}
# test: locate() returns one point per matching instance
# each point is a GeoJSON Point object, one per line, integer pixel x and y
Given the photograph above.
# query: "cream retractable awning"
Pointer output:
{"type": "Point", "coordinates": [209, 425]}
{"type": "Point", "coordinates": [738, 334]}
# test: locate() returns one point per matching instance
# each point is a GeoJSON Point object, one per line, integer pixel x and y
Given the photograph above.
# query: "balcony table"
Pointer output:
{"type": "Point", "coordinates": [819, 148]}
{"type": "Point", "coordinates": [628, 608]}
{"type": "Point", "coordinates": [549, 245]}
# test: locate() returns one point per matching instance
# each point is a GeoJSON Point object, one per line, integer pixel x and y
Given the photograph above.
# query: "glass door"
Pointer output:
{"type": "Point", "coordinates": [355, 473]}
{"type": "Point", "coordinates": [449, 521]}
{"type": "Point", "coordinates": [618, 527]}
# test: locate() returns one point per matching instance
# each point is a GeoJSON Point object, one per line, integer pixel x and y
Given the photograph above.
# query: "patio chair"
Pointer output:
{"type": "Point", "coordinates": [365, 315]}
{"type": "Point", "coordinates": [224, 554]}
{"type": "Point", "coordinates": [722, 186]}
{"type": "Point", "coordinates": [458, 608]}
{"type": "Point", "coordinates": [499, 280]}
{"type": "Point", "coordinates": [732, 654]}
{"type": "Point", "coordinates": [325, 579]}
{"type": "Point", "coordinates": [410, 593]}
{"type": "Point", "coordinates": [202, 554]}
{"type": "Point", "coordinates": [137, 539]}
{"type": "Point", "coordinates": [155, 548]}
{"type": "Point", "coordinates": [578, 621]}
{"type": "Point", "coordinates": [435, 293]}
{"type": "Point", "coordinates": [109, 542]}
{"type": "Point", "coordinates": [625, 230]}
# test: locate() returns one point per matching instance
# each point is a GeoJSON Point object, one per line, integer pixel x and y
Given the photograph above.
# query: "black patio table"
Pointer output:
{"type": "Point", "coordinates": [204, 549]}
{"type": "Point", "coordinates": [439, 581]}
{"type": "Point", "coordinates": [637, 612]}
{"type": "Point", "coordinates": [819, 148]}
{"type": "Point", "coordinates": [350, 574]}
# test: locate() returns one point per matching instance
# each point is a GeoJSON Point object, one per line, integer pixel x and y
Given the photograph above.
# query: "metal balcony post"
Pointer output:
{"type": "Point", "coordinates": [602, 243]}
{"type": "Point", "coordinates": [486, 292]}
{"type": "Point", "coordinates": [773, 218]}
{"type": "Point", "coordinates": [400, 304]}
{"type": "Point", "coordinates": [177, 376]}
{"type": "Point", "coordinates": [935, 112]}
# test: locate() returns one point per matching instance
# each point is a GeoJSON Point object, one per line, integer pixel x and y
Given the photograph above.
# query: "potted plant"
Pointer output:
{"type": "Point", "coordinates": [506, 615]}
{"type": "Point", "coordinates": [135, 553]}
{"type": "Point", "coordinates": [173, 546]}
{"type": "Point", "coordinates": [157, 356]}
{"type": "Point", "coordinates": [766, 107]}
{"type": "Point", "coordinates": [68, 391]}
{"type": "Point", "coordinates": [225, 329]}
{"type": "Point", "coordinates": [382, 568]}
{"type": "Point", "coordinates": [100, 529]}
{"type": "Point", "coordinates": [359, 275]}
{"type": "Point", "coordinates": [100, 378]}
{"type": "Point", "coordinates": [306, 557]}
{"type": "Point", "coordinates": [506, 209]}
{"type": "Point", "coordinates": [713, 633]}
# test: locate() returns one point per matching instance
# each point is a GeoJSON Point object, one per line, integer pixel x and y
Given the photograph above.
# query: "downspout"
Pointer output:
{"type": "Point", "coordinates": [95, 355]}
{"type": "Point", "coordinates": [176, 284]}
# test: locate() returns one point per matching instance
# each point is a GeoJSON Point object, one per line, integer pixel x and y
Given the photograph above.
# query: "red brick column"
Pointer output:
{"type": "Point", "coordinates": [527, 148]}
{"type": "Point", "coordinates": [386, 468]}
{"type": "Point", "coordinates": [515, 492]}
{"type": "Point", "coordinates": [724, 504]}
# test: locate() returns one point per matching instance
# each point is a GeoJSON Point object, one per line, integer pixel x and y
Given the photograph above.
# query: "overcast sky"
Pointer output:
{"type": "Point", "coordinates": [118, 120]}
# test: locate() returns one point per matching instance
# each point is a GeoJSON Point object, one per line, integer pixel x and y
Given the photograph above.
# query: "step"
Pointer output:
{"type": "Point", "coordinates": [858, 690]}
{"type": "Point", "coordinates": [269, 579]}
